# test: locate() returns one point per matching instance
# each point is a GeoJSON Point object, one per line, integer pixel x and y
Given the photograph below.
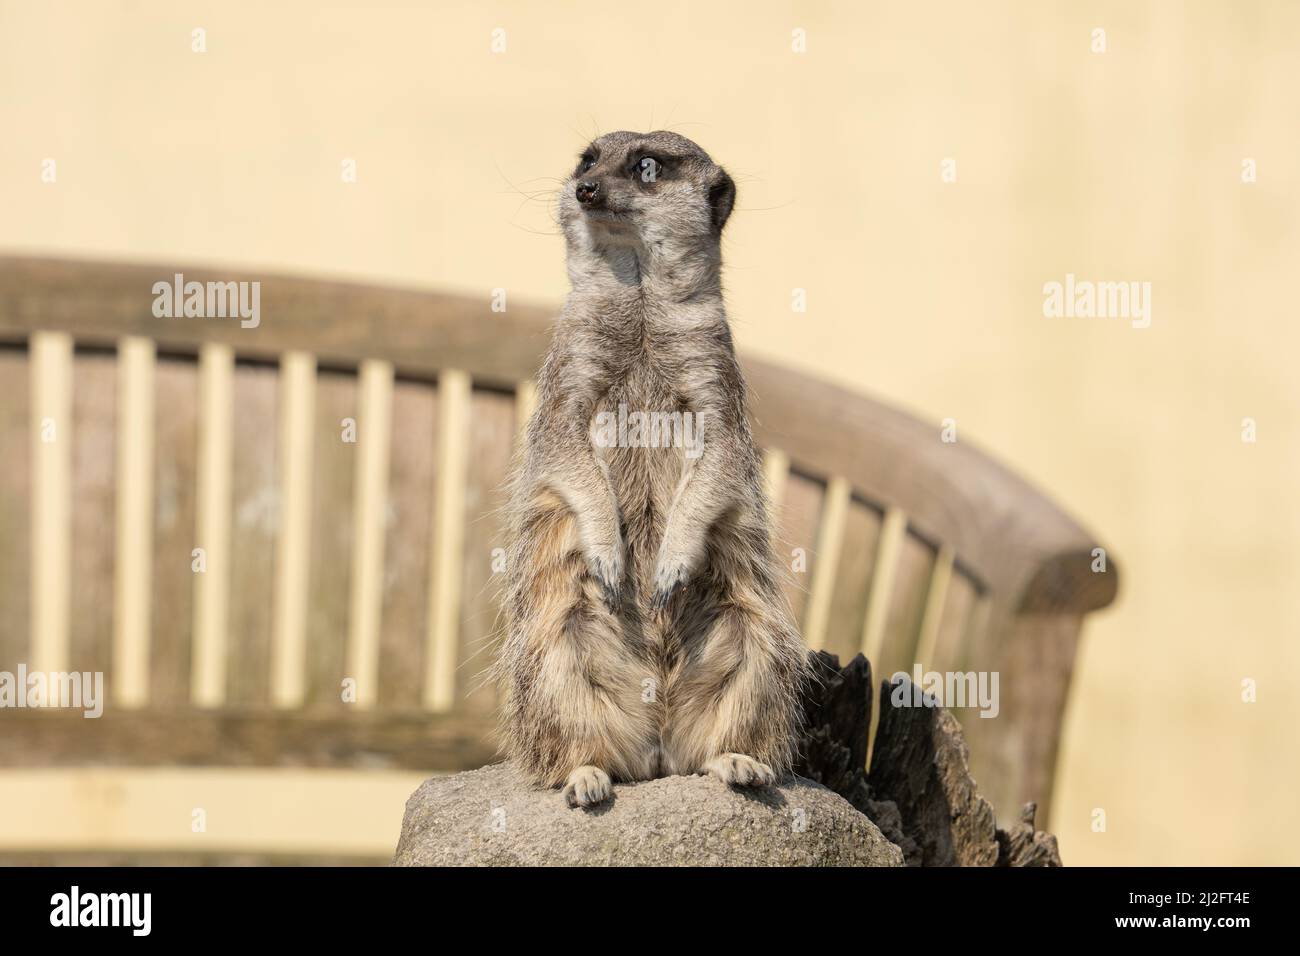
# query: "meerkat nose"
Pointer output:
{"type": "Point", "coordinates": [588, 192]}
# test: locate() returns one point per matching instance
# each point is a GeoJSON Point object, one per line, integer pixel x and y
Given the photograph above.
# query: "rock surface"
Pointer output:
{"type": "Point", "coordinates": [492, 817]}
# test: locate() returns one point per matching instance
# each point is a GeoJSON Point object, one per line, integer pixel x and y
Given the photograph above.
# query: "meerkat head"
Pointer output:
{"type": "Point", "coordinates": [653, 192]}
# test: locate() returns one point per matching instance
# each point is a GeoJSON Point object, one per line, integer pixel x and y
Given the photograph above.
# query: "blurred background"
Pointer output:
{"type": "Point", "coordinates": [922, 289]}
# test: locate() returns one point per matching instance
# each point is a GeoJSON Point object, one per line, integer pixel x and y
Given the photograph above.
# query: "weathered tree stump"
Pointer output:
{"type": "Point", "coordinates": [919, 792]}
{"type": "Point", "coordinates": [1022, 845]}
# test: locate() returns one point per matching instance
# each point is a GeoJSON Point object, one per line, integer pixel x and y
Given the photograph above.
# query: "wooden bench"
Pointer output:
{"type": "Point", "coordinates": [129, 441]}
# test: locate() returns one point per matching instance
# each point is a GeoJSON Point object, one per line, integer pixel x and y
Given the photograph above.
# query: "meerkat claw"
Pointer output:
{"type": "Point", "coordinates": [667, 583]}
{"type": "Point", "coordinates": [609, 576]}
{"type": "Point", "coordinates": [740, 770]}
{"type": "Point", "coordinates": [611, 596]}
{"type": "Point", "coordinates": [586, 787]}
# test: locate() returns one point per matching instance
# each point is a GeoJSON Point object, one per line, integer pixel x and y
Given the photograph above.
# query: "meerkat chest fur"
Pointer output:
{"type": "Point", "coordinates": [651, 424]}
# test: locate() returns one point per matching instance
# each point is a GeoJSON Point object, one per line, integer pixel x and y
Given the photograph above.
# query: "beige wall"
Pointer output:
{"type": "Point", "coordinates": [1123, 165]}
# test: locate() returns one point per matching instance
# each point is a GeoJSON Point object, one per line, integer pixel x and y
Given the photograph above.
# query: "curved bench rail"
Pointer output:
{"type": "Point", "coordinates": [919, 551]}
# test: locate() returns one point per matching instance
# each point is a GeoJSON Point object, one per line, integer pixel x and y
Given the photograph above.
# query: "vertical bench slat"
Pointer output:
{"type": "Point", "coordinates": [374, 419]}
{"type": "Point", "coordinates": [293, 548]}
{"type": "Point", "coordinates": [492, 428]}
{"type": "Point", "coordinates": [51, 432]}
{"type": "Point", "coordinates": [862, 528]}
{"type": "Point", "coordinates": [955, 621]}
{"type": "Point", "coordinates": [331, 538]}
{"type": "Point", "coordinates": [525, 402]}
{"type": "Point", "coordinates": [830, 536]}
{"type": "Point", "coordinates": [15, 508]}
{"type": "Point", "coordinates": [906, 606]}
{"type": "Point", "coordinates": [406, 561]}
{"type": "Point", "coordinates": [884, 570]}
{"type": "Point", "coordinates": [904, 595]}
{"type": "Point", "coordinates": [796, 524]}
{"type": "Point", "coordinates": [776, 469]}
{"type": "Point", "coordinates": [936, 598]}
{"type": "Point", "coordinates": [448, 538]}
{"type": "Point", "coordinates": [176, 430]}
{"type": "Point", "coordinates": [254, 533]}
{"type": "Point", "coordinates": [979, 644]}
{"type": "Point", "coordinates": [134, 521]}
{"type": "Point", "coordinates": [93, 497]}
{"type": "Point", "coordinates": [212, 525]}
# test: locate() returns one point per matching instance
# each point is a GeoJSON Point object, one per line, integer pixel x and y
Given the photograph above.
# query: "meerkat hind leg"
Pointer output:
{"type": "Point", "coordinates": [740, 770]}
{"type": "Point", "coordinates": [587, 786]}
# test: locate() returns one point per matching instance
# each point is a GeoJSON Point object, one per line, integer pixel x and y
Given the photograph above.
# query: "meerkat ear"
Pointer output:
{"type": "Point", "coordinates": [722, 196]}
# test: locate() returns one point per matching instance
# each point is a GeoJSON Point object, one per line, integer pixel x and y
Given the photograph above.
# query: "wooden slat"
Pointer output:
{"type": "Point", "coordinates": [448, 538]}
{"type": "Point", "coordinates": [936, 599]}
{"type": "Point", "coordinates": [176, 413]}
{"type": "Point", "coordinates": [862, 526]}
{"type": "Point", "coordinates": [15, 509]}
{"type": "Point", "coordinates": [492, 424]}
{"type": "Point", "coordinates": [776, 470]}
{"type": "Point", "coordinates": [212, 526]}
{"type": "Point", "coordinates": [955, 622]}
{"type": "Point", "coordinates": [830, 535]}
{"type": "Point", "coordinates": [881, 590]}
{"type": "Point", "coordinates": [94, 427]}
{"type": "Point", "coordinates": [525, 402]}
{"type": "Point", "coordinates": [903, 589]}
{"type": "Point", "coordinates": [254, 533]}
{"type": "Point", "coordinates": [406, 559]}
{"type": "Point", "coordinates": [236, 738]}
{"type": "Point", "coordinates": [906, 607]}
{"type": "Point", "coordinates": [51, 433]}
{"type": "Point", "coordinates": [796, 524]}
{"type": "Point", "coordinates": [293, 552]}
{"type": "Point", "coordinates": [334, 462]}
{"type": "Point", "coordinates": [374, 419]}
{"type": "Point", "coordinates": [979, 647]}
{"type": "Point", "coordinates": [133, 578]}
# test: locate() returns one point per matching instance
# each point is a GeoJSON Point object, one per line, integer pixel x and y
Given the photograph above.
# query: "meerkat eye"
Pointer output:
{"type": "Point", "coordinates": [586, 162]}
{"type": "Point", "coordinates": [648, 169]}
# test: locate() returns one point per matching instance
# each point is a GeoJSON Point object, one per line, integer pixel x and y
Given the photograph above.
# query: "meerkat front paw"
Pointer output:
{"type": "Point", "coordinates": [606, 565]}
{"type": "Point", "coordinates": [587, 786]}
{"type": "Point", "coordinates": [740, 771]}
{"type": "Point", "coordinates": [670, 574]}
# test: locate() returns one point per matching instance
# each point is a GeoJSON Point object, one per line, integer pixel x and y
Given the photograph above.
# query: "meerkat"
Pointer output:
{"type": "Point", "coordinates": [646, 631]}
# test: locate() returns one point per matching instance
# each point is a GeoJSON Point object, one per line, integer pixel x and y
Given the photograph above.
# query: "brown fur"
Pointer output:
{"type": "Point", "coordinates": [646, 632]}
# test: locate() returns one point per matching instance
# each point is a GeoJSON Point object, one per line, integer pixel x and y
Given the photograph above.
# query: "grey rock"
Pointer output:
{"type": "Point", "coordinates": [492, 817]}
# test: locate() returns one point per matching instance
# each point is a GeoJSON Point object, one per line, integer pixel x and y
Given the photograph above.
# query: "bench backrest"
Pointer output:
{"type": "Point", "coordinates": [280, 543]}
